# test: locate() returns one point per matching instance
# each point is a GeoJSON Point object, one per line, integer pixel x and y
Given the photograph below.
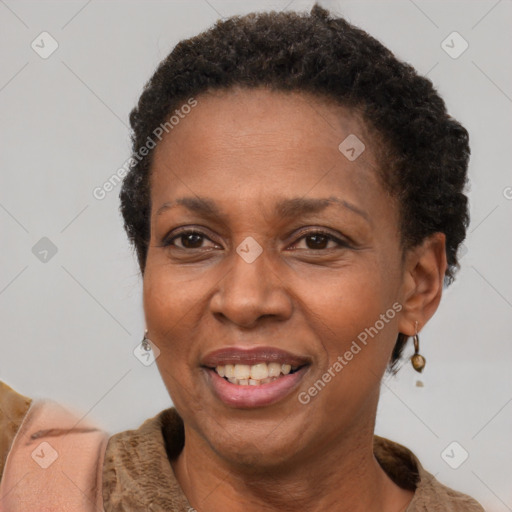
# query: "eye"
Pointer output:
{"type": "Point", "coordinates": [190, 239]}
{"type": "Point", "coordinates": [319, 240]}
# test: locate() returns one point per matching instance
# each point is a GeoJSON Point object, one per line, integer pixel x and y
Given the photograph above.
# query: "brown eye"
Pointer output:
{"type": "Point", "coordinates": [318, 240]}
{"type": "Point", "coordinates": [191, 240]}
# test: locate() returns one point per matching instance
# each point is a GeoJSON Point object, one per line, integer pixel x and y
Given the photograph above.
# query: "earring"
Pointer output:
{"type": "Point", "coordinates": [417, 360]}
{"type": "Point", "coordinates": [146, 342]}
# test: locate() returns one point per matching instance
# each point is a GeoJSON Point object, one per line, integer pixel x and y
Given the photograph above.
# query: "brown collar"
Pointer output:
{"type": "Point", "coordinates": [137, 474]}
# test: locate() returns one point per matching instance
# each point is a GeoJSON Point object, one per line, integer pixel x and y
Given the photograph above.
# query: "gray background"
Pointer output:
{"type": "Point", "coordinates": [70, 321]}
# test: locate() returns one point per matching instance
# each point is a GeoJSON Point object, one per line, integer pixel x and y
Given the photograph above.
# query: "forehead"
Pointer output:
{"type": "Point", "coordinates": [255, 141]}
{"type": "Point", "coordinates": [240, 113]}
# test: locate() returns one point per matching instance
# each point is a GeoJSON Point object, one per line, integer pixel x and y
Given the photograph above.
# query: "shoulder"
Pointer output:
{"type": "Point", "coordinates": [404, 468]}
{"type": "Point", "coordinates": [62, 452]}
{"type": "Point", "coordinates": [137, 473]}
{"type": "Point", "coordinates": [13, 409]}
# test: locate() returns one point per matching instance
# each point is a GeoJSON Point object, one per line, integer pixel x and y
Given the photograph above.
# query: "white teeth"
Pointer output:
{"type": "Point", "coordinates": [242, 371]}
{"type": "Point", "coordinates": [253, 375]}
{"type": "Point", "coordinates": [285, 369]}
{"type": "Point", "coordinates": [274, 369]}
{"type": "Point", "coordinates": [229, 371]}
{"type": "Point", "coordinates": [259, 371]}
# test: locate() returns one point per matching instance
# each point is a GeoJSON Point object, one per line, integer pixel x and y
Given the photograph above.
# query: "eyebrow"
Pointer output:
{"type": "Point", "coordinates": [201, 205]}
{"type": "Point", "coordinates": [300, 205]}
{"type": "Point", "coordinates": [286, 208]}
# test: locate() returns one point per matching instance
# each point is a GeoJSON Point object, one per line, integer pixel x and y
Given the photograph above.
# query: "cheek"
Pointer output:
{"type": "Point", "coordinates": [344, 300]}
{"type": "Point", "coordinates": [169, 305]}
{"type": "Point", "coordinates": [354, 356]}
{"type": "Point", "coordinates": [344, 311]}
{"type": "Point", "coordinates": [170, 291]}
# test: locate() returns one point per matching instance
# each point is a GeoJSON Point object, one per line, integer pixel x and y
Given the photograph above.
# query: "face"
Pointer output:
{"type": "Point", "coordinates": [271, 246]}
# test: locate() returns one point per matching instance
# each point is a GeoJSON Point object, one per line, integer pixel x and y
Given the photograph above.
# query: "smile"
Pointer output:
{"type": "Point", "coordinates": [244, 377]}
{"type": "Point", "coordinates": [254, 375]}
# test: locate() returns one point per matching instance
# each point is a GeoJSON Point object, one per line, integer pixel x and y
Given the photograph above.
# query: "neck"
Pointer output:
{"type": "Point", "coordinates": [343, 475]}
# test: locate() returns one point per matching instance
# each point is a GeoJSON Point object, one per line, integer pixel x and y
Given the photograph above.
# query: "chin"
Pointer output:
{"type": "Point", "coordinates": [257, 458]}
{"type": "Point", "coordinates": [255, 446]}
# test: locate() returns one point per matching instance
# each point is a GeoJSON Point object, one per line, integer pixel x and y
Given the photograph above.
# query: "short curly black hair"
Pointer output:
{"type": "Point", "coordinates": [427, 150]}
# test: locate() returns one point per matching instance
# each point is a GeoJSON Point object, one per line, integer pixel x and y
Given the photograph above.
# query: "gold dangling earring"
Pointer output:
{"type": "Point", "coordinates": [146, 342]}
{"type": "Point", "coordinates": [417, 360]}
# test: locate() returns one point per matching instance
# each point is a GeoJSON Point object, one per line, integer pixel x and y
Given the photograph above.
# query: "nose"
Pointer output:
{"type": "Point", "coordinates": [250, 292]}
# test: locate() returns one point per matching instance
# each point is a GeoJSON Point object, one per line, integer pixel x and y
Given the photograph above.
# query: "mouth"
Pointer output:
{"type": "Point", "coordinates": [257, 377]}
{"type": "Point", "coordinates": [256, 374]}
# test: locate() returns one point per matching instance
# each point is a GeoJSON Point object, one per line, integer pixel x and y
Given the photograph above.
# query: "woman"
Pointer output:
{"type": "Point", "coordinates": [296, 202]}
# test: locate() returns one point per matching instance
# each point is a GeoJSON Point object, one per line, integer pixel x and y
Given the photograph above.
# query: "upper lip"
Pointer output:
{"type": "Point", "coordinates": [250, 356]}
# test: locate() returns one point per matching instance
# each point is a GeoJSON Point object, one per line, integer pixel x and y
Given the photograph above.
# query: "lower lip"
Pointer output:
{"type": "Point", "coordinates": [247, 397]}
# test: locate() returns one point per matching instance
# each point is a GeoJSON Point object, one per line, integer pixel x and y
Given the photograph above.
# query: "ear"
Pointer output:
{"type": "Point", "coordinates": [422, 283]}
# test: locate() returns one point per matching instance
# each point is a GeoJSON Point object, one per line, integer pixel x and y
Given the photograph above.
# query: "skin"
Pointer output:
{"type": "Point", "coordinates": [246, 150]}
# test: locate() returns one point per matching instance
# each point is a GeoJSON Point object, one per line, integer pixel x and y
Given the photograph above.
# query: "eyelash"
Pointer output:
{"type": "Point", "coordinates": [330, 237]}
{"type": "Point", "coordinates": [168, 242]}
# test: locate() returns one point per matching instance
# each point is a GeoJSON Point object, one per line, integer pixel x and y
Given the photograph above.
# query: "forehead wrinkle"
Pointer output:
{"type": "Point", "coordinates": [201, 205]}
{"type": "Point", "coordinates": [285, 208]}
{"type": "Point", "coordinates": [300, 205]}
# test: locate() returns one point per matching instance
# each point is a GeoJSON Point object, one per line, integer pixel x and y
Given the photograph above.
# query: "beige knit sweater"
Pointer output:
{"type": "Point", "coordinates": [137, 474]}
